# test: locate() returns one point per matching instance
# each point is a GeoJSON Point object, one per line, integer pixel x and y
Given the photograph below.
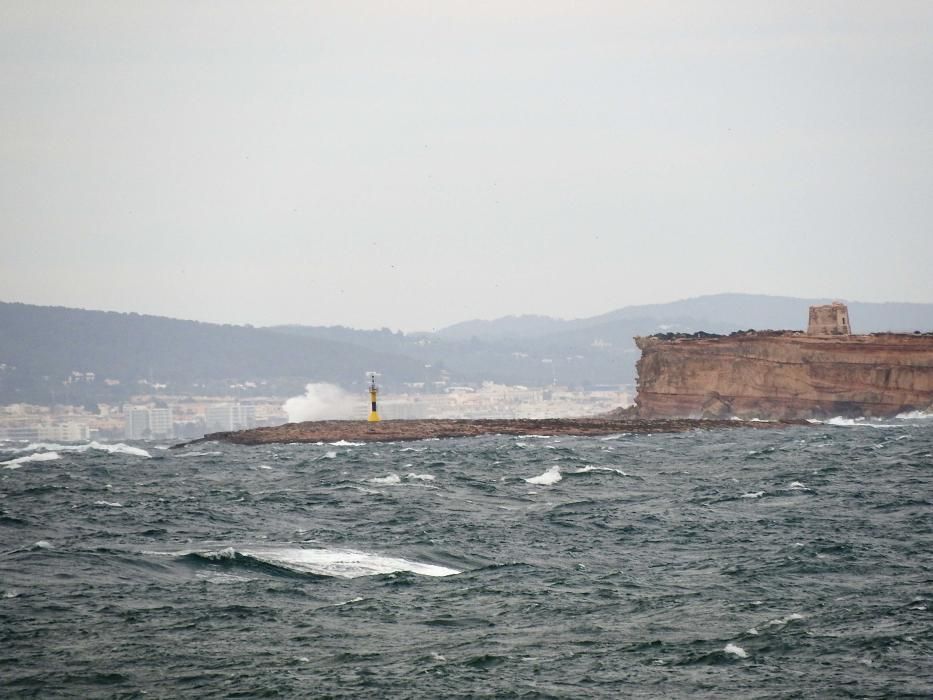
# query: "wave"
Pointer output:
{"type": "Point", "coordinates": [860, 422]}
{"type": "Point", "coordinates": [392, 478]}
{"type": "Point", "coordinates": [118, 448]}
{"type": "Point", "coordinates": [548, 478]}
{"type": "Point", "coordinates": [590, 468]}
{"type": "Point", "coordinates": [37, 457]}
{"type": "Point", "coordinates": [346, 443]}
{"type": "Point", "coordinates": [339, 563]}
{"type": "Point", "coordinates": [735, 650]}
{"type": "Point", "coordinates": [915, 415]}
{"type": "Point", "coordinates": [198, 454]}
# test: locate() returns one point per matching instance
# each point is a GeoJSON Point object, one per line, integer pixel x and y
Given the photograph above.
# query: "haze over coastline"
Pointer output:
{"type": "Point", "coordinates": [405, 167]}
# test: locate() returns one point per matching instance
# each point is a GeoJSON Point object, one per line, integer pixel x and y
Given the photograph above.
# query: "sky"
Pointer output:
{"type": "Point", "coordinates": [414, 164]}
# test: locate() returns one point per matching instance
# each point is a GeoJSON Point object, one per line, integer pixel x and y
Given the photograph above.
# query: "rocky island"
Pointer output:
{"type": "Point", "coordinates": [824, 372]}
{"type": "Point", "coordinates": [398, 430]}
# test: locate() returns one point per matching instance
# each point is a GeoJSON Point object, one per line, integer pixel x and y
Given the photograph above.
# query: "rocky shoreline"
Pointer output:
{"type": "Point", "coordinates": [398, 430]}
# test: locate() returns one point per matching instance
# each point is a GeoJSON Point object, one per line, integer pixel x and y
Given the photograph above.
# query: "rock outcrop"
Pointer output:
{"type": "Point", "coordinates": [785, 374]}
{"type": "Point", "coordinates": [392, 430]}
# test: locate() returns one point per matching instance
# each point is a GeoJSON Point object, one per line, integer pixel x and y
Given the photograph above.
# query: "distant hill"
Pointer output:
{"type": "Point", "coordinates": [40, 348]}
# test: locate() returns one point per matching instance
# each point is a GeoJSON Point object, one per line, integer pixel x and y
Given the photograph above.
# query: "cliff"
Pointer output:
{"type": "Point", "coordinates": [784, 374]}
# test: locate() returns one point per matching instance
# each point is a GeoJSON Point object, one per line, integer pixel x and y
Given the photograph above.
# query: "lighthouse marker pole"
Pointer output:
{"type": "Point", "coordinates": [373, 414]}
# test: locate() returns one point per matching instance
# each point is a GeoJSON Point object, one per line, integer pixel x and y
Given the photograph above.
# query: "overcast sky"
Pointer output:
{"type": "Point", "coordinates": [415, 164]}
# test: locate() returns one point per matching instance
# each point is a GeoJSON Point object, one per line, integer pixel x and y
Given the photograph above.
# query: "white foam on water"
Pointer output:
{"type": "Point", "coordinates": [345, 443]}
{"type": "Point", "coordinates": [915, 415]}
{"type": "Point", "coordinates": [118, 448]}
{"type": "Point", "coordinates": [330, 455]}
{"type": "Point", "coordinates": [548, 478]}
{"type": "Point", "coordinates": [756, 494]}
{"type": "Point", "coordinates": [420, 477]}
{"type": "Point", "coordinates": [797, 486]}
{"type": "Point", "coordinates": [392, 478]}
{"type": "Point", "coordinates": [736, 650]}
{"type": "Point", "coordinates": [589, 468]}
{"type": "Point", "coordinates": [784, 620]}
{"type": "Point", "coordinates": [37, 457]}
{"type": "Point", "coordinates": [347, 602]}
{"type": "Point", "coordinates": [344, 563]}
{"type": "Point", "coordinates": [860, 422]}
{"type": "Point", "coordinates": [42, 544]}
{"type": "Point", "coordinates": [263, 466]}
{"type": "Point", "coordinates": [536, 437]}
{"type": "Point", "coordinates": [112, 504]}
{"type": "Point", "coordinates": [752, 631]}
{"type": "Point", "coordinates": [199, 454]}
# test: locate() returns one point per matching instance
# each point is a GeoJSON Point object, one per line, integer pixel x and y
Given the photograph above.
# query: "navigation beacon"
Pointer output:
{"type": "Point", "coordinates": [373, 414]}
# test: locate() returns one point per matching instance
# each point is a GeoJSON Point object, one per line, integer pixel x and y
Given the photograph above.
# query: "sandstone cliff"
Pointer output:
{"type": "Point", "coordinates": [784, 375]}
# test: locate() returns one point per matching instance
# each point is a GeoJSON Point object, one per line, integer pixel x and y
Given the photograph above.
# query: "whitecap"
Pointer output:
{"type": "Point", "coordinates": [38, 457]}
{"type": "Point", "coordinates": [345, 443]}
{"type": "Point", "coordinates": [117, 448]}
{"type": "Point", "coordinates": [548, 478]}
{"type": "Point", "coordinates": [392, 478]}
{"type": "Point", "coordinates": [784, 620]}
{"type": "Point", "coordinates": [344, 563]}
{"type": "Point", "coordinates": [860, 422]}
{"type": "Point", "coordinates": [736, 650]}
{"type": "Point", "coordinates": [263, 466]}
{"type": "Point", "coordinates": [797, 486]}
{"type": "Point", "coordinates": [756, 494]}
{"type": "Point", "coordinates": [420, 477]}
{"type": "Point", "coordinates": [589, 468]}
{"type": "Point", "coordinates": [199, 454]}
{"type": "Point", "coordinates": [330, 455]}
{"type": "Point", "coordinates": [915, 415]}
{"type": "Point", "coordinates": [112, 504]}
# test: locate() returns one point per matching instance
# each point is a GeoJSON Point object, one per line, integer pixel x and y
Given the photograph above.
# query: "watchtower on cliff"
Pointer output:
{"type": "Point", "coordinates": [829, 319]}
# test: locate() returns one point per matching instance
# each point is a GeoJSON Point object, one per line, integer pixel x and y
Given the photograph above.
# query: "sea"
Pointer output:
{"type": "Point", "coordinates": [787, 563]}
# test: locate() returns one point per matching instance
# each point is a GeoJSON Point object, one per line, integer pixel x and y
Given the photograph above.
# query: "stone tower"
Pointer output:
{"type": "Point", "coordinates": [830, 319]}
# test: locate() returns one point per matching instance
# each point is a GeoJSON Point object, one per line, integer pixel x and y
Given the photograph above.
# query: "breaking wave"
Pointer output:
{"type": "Point", "coordinates": [339, 563]}
{"type": "Point", "coordinates": [548, 478]}
{"type": "Point", "coordinates": [38, 457]}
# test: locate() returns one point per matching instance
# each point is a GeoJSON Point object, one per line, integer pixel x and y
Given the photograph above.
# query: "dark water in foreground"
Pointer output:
{"type": "Point", "coordinates": [786, 563]}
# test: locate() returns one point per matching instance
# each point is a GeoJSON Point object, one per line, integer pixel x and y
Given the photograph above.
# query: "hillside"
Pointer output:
{"type": "Point", "coordinates": [41, 348]}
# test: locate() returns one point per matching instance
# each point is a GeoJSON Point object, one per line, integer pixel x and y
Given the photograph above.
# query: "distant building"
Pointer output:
{"type": "Point", "coordinates": [137, 423]}
{"type": "Point", "coordinates": [829, 319]}
{"type": "Point", "coordinates": [225, 417]}
{"type": "Point", "coordinates": [70, 431]}
{"type": "Point", "coordinates": [148, 423]}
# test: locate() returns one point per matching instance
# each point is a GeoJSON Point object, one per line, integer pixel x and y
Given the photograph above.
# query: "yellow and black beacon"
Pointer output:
{"type": "Point", "coordinates": [373, 414]}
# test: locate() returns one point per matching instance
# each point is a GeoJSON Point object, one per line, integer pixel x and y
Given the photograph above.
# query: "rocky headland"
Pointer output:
{"type": "Point", "coordinates": [785, 374]}
{"type": "Point", "coordinates": [398, 430]}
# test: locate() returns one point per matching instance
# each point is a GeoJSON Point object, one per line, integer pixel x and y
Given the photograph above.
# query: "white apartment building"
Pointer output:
{"type": "Point", "coordinates": [230, 416]}
{"type": "Point", "coordinates": [148, 423]}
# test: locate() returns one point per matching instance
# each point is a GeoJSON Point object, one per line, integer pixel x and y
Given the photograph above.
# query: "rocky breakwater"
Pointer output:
{"type": "Point", "coordinates": [394, 430]}
{"type": "Point", "coordinates": [784, 374]}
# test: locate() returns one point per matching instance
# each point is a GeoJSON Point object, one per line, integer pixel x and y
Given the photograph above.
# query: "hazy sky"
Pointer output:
{"type": "Point", "coordinates": [415, 164]}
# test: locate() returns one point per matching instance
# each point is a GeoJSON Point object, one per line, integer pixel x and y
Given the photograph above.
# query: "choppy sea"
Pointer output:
{"type": "Point", "coordinates": [789, 563]}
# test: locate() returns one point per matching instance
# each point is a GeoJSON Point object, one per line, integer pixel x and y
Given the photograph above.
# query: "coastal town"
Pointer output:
{"type": "Point", "coordinates": [161, 417]}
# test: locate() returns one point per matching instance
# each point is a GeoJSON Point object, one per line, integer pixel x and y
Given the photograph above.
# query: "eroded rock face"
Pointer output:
{"type": "Point", "coordinates": [784, 375]}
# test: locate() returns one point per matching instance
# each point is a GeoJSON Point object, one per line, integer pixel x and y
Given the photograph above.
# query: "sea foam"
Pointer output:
{"type": "Point", "coordinates": [117, 448]}
{"type": "Point", "coordinates": [37, 457]}
{"type": "Point", "coordinates": [548, 478]}
{"type": "Point", "coordinates": [340, 563]}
